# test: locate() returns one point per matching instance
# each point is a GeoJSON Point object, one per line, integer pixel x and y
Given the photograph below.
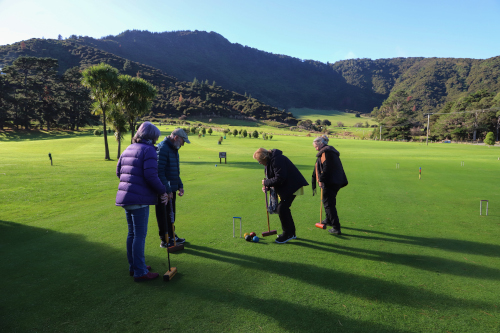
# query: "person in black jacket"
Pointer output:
{"type": "Point", "coordinates": [287, 181]}
{"type": "Point", "coordinates": [330, 175]}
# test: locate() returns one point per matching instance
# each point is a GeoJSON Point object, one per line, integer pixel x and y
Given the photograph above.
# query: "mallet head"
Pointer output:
{"type": "Point", "coordinates": [269, 233]}
{"type": "Point", "coordinates": [169, 274]}
{"type": "Point", "coordinates": [320, 225]}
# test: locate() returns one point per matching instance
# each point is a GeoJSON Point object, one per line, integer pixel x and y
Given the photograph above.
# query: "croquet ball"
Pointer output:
{"type": "Point", "coordinates": [216, 165]}
{"type": "Point", "coordinates": [253, 234]}
{"type": "Point", "coordinates": [248, 238]}
{"type": "Point", "coordinates": [255, 239]}
{"type": "Point", "coordinates": [246, 234]}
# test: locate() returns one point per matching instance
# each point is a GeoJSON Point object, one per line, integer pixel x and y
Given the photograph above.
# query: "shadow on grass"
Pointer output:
{"type": "Point", "coordinates": [22, 135]}
{"type": "Point", "coordinates": [243, 165]}
{"type": "Point", "coordinates": [370, 288]}
{"type": "Point", "coordinates": [423, 262]}
{"type": "Point", "coordinates": [61, 282]}
{"type": "Point", "coordinates": [460, 246]}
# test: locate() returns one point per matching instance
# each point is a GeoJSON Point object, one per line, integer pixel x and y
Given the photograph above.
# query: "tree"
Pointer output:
{"type": "Point", "coordinates": [102, 80]}
{"type": "Point", "coordinates": [127, 66]}
{"type": "Point", "coordinates": [235, 132]}
{"type": "Point", "coordinates": [490, 139]}
{"type": "Point", "coordinates": [245, 133]}
{"type": "Point", "coordinates": [210, 131]}
{"type": "Point", "coordinates": [326, 122]}
{"type": "Point", "coordinates": [255, 134]}
{"type": "Point", "coordinates": [193, 130]}
{"type": "Point", "coordinates": [203, 131]}
{"type": "Point", "coordinates": [76, 109]}
{"type": "Point", "coordinates": [135, 96]}
{"type": "Point", "coordinates": [318, 122]}
{"type": "Point", "coordinates": [6, 90]}
{"type": "Point", "coordinates": [119, 123]}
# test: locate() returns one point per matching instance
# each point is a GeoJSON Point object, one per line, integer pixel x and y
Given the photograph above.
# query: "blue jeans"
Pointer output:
{"type": "Point", "coordinates": [137, 220]}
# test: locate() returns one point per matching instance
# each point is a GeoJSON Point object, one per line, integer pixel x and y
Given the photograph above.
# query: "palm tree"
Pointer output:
{"type": "Point", "coordinates": [102, 80]}
{"type": "Point", "coordinates": [135, 96]}
{"type": "Point", "coordinates": [119, 124]}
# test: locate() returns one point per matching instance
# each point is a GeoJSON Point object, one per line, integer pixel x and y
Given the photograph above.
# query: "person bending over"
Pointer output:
{"type": "Point", "coordinates": [287, 181]}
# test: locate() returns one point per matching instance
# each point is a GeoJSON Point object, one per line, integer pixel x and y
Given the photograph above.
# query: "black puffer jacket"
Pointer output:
{"type": "Point", "coordinates": [283, 175]}
{"type": "Point", "coordinates": [329, 167]}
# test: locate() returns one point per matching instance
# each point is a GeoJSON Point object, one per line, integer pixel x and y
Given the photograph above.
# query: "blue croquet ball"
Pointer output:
{"type": "Point", "coordinates": [216, 165]}
{"type": "Point", "coordinates": [255, 239]}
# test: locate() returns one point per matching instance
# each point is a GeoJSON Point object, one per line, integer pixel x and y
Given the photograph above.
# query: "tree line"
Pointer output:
{"type": "Point", "coordinates": [468, 118]}
{"type": "Point", "coordinates": [31, 93]}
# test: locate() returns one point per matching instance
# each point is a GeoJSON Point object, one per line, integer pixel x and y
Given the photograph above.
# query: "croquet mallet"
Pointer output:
{"type": "Point", "coordinates": [175, 247]}
{"type": "Point", "coordinates": [269, 232]}
{"type": "Point", "coordinates": [321, 225]}
{"type": "Point", "coordinates": [171, 270]}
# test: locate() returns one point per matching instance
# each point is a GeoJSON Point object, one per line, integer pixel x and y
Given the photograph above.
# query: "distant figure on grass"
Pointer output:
{"type": "Point", "coordinates": [287, 181]}
{"type": "Point", "coordinates": [139, 187]}
{"type": "Point", "coordinates": [330, 175]}
{"type": "Point", "coordinates": [169, 173]}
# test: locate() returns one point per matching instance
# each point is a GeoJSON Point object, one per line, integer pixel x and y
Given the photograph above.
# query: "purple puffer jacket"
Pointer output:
{"type": "Point", "coordinates": [138, 172]}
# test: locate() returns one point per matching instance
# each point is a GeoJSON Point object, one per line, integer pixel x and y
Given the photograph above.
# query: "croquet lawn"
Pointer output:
{"type": "Point", "coordinates": [414, 255]}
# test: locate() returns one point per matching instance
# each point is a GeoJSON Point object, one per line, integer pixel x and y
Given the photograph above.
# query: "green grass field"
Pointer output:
{"type": "Point", "coordinates": [334, 116]}
{"type": "Point", "coordinates": [415, 255]}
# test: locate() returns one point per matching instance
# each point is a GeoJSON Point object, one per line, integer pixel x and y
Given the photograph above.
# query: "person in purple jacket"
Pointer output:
{"type": "Point", "coordinates": [138, 189]}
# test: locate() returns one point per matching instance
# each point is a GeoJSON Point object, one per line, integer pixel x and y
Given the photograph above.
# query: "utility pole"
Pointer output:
{"type": "Point", "coordinates": [428, 121]}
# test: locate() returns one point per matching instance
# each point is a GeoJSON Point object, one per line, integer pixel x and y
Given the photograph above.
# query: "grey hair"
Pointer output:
{"type": "Point", "coordinates": [321, 140]}
{"type": "Point", "coordinates": [146, 132]}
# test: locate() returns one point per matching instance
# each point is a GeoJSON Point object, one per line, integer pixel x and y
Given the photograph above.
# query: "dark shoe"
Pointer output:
{"type": "Point", "coordinates": [146, 277]}
{"type": "Point", "coordinates": [132, 272]}
{"type": "Point", "coordinates": [325, 221]}
{"type": "Point", "coordinates": [178, 240]}
{"type": "Point", "coordinates": [167, 245]}
{"type": "Point", "coordinates": [334, 231]}
{"type": "Point", "coordinates": [282, 239]}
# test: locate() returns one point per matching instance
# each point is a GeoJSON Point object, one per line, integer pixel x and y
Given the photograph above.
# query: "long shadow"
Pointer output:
{"type": "Point", "coordinates": [22, 135]}
{"type": "Point", "coordinates": [460, 246]}
{"type": "Point", "coordinates": [246, 165]}
{"type": "Point", "coordinates": [359, 286]}
{"type": "Point", "coordinates": [427, 263]}
{"type": "Point", "coordinates": [61, 282]}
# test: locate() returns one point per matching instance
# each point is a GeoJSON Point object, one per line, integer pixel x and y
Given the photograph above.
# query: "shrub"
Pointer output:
{"type": "Point", "coordinates": [97, 132]}
{"type": "Point", "coordinates": [210, 131]}
{"type": "Point", "coordinates": [245, 133]}
{"type": "Point", "coordinates": [264, 136]}
{"type": "Point", "coordinates": [235, 132]}
{"type": "Point", "coordinates": [255, 134]}
{"type": "Point", "coordinates": [490, 139]}
{"type": "Point", "coordinates": [270, 137]}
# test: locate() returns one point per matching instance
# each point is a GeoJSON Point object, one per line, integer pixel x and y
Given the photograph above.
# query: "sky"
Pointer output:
{"type": "Point", "coordinates": [322, 30]}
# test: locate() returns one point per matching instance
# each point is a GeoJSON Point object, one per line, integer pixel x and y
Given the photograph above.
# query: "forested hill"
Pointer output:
{"type": "Point", "coordinates": [280, 80]}
{"type": "Point", "coordinates": [175, 98]}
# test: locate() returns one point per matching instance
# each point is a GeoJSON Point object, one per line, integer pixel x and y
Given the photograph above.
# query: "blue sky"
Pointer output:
{"type": "Point", "coordinates": [319, 30]}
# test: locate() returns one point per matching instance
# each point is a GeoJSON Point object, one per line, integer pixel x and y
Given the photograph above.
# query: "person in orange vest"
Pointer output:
{"type": "Point", "coordinates": [330, 176]}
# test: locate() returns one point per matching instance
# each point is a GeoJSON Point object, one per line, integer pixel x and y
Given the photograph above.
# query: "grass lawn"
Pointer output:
{"type": "Point", "coordinates": [415, 255]}
{"type": "Point", "coordinates": [334, 116]}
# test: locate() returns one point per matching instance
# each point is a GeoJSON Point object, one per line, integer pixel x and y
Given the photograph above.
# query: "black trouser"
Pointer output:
{"type": "Point", "coordinates": [163, 218]}
{"type": "Point", "coordinates": [330, 201]}
{"type": "Point", "coordinates": [286, 215]}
